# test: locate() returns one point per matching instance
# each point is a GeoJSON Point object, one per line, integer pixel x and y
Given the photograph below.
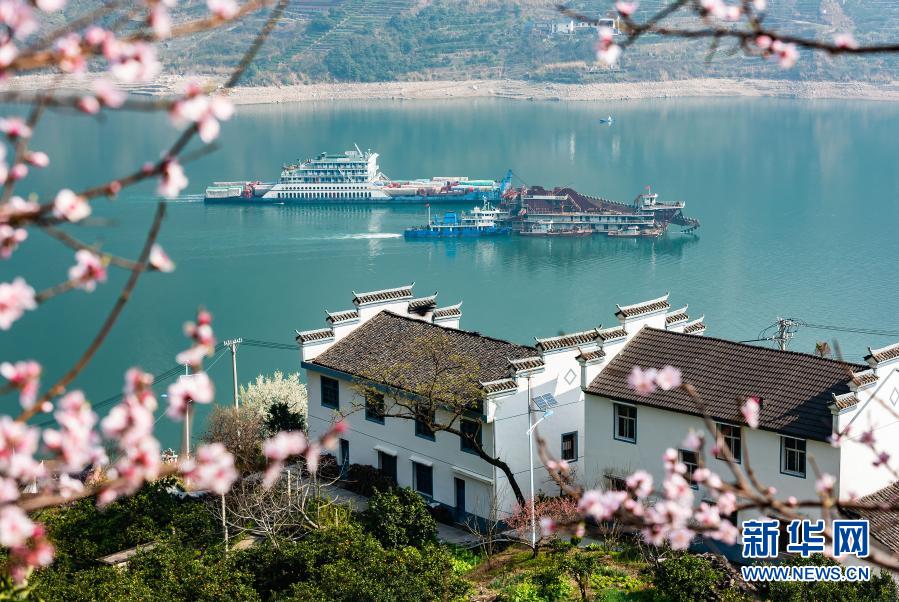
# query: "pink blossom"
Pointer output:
{"type": "Point", "coordinates": [68, 486]}
{"type": "Point", "coordinates": [547, 526]}
{"type": "Point", "coordinates": [108, 94]}
{"type": "Point", "coordinates": [89, 105]}
{"type": "Point", "coordinates": [609, 55]}
{"type": "Point", "coordinates": [24, 376]}
{"type": "Point", "coordinates": [18, 444]}
{"type": "Point", "coordinates": [159, 260]}
{"type": "Point", "coordinates": [668, 378]}
{"type": "Point", "coordinates": [759, 5]}
{"type": "Point", "coordinates": [10, 238]}
{"type": "Point", "coordinates": [70, 57]}
{"type": "Point", "coordinates": [14, 127]}
{"type": "Point", "coordinates": [97, 36]}
{"type": "Point", "coordinates": [15, 526]}
{"type": "Point", "coordinates": [173, 180]}
{"type": "Point", "coordinates": [824, 485]}
{"type": "Point", "coordinates": [680, 538]}
{"type": "Point", "coordinates": [750, 411]}
{"type": "Point", "coordinates": [140, 462]}
{"type": "Point", "coordinates": [193, 388]}
{"type": "Point", "coordinates": [677, 489]}
{"type": "Point", "coordinates": [284, 445]}
{"type": "Point", "coordinates": [867, 437]}
{"type": "Point", "coordinates": [792, 501]}
{"type": "Point", "coordinates": [764, 42]}
{"type": "Point", "coordinates": [787, 53]}
{"type": "Point", "coordinates": [223, 9]}
{"type": "Point", "coordinates": [727, 503]}
{"type": "Point", "coordinates": [692, 441]}
{"type": "Point", "coordinates": [70, 206]}
{"type": "Point", "coordinates": [36, 552]}
{"type": "Point", "coordinates": [642, 381]}
{"type": "Point", "coordinates": [160, 21]}
{"type": "Point", "coordinates": [18, 171]}
{"type": "Point", "coordinates": [640, 483]}
{"type": "Point", "coordinates": [708, 515]}
{"type": "Point", "coordinates": [17, 207]}
{"type": "Point", "coordinates": [131, 62]}
{"type": "Point", "coordinates": [76, 443]}
{"type": "Point", "coordinates": [50, 6]}
{"type": "Point", "coordinates": [16, 298]}
{"type": "Point", "coordinates": [205, 111]}
{"type": "Point", "coordinates": [38, 158]}
{"type": "Point", "coordinates": [626, 9]}
{"type": "Point", "coordinates": [601, 505]}
{"type": "Point", "coordinates": [8, 53]}
{"type": "Point", "coordinates": [19, 18]}
{"type": "Point", "coordinates": [88, 271]}
{"type": "Point", "coordinates": [845, 40]}
{"type": "Point", "coordinates": [726, 533]}
{"type": "Point", "coordinates": [882, 458]}
{"type": "Point", "coordinates": [9, 490]}
{"type": "Point", "coordinates": [212, 469]}
{"type": "Point", "coordinates": [701, 475]}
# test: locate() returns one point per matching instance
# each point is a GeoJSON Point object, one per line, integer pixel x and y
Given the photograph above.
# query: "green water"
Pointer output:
{"type": "Point", "coordinates": [798, 203]}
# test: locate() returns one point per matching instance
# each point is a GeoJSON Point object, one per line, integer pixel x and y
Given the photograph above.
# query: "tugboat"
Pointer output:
{"type": "Point", "coordinates": [481, 221]}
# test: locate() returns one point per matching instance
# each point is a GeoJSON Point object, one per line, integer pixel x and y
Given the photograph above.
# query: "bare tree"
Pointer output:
{"type": "Point", "coordinates": [438, 388]}
{"type": "Point", "coordinates": [242, 432]}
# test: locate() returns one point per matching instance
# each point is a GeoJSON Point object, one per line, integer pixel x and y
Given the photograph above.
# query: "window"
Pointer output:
{"type": "Point", "coordinates": [616, 483]}
{"type": "Point", "coordinates": [691, 461]}
{"type": "Point", "coordinates": [569, 447]}
{"type": "Point", "coordinates": [374, 407]}
{"type": "Point", "coordinates": [423, 420]}
{"type": "Point", "coordinates": [792, 456]}
{"type": "Point", "coordinates": [471, 429]}
{"type": "Point", "coordinates": [625, 423]}
{"type": "Point", "coordinates": [424, 479]}
{"type": "Point", "coordinates": [330, 393]}
{"type": "Point", "coordinates": [387, 465]}
{"type": "Point", "coordinates": [733, 440]}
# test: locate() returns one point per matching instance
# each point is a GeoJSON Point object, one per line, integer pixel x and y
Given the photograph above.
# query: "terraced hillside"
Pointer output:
{"type": "Point", "coordinates": [381, 40]}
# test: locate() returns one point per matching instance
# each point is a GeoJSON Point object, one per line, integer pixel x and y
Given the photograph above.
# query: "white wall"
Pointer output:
{"type": "Point", "coordinates": [876, 410]}
{"type": "Point", "coordinates": [657, 430]}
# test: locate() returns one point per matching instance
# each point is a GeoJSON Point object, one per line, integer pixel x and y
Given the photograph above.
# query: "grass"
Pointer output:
{"type": "Point", "coordinates": [621, 576]}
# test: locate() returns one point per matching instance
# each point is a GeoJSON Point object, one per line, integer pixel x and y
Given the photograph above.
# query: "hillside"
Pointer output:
{"type": "Point", "coordinates": [383, 40]}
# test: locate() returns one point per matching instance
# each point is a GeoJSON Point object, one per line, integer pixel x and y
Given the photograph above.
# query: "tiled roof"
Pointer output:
{"type": "Point", "coordinates": [694, 327]}
{"type": "Point", "coordinates": [796, 388]}
{"type": "Point", "coordinates": [589, 356]}
{"type": "Point", "coordinates": [884, 353]}
{"type": "Point", "coordinates": [678, 315]}
{"type": "Point", "coordinates": [864, 378]}
{"type": "Point", "coordinates": [884, 524]}
{"type": "Point", "coordinates": [394, 350]}
{"type": "Point", "coordinates": [388, 294]}
{"type": "Point", "coordinates": [646, 307]}
{"type": "Point", "coordinates": [617, 332]}
{"type": "Point", "coordinates": [845, 401]}
{"type": "Point", "coordinates": [448, 312]}
{"type": "Point", "coordinates": [564, 341]}
{"type": "Point", "coordinates": [308, 336]}
{"type": "Point", "coordinates": [338, 317]}
{"type": "Point", "coordinates": [500, 386]}
{"type": "Point", "coordinates": [527, 363]}
{"type": "Point", "coordinates": [423, 304]}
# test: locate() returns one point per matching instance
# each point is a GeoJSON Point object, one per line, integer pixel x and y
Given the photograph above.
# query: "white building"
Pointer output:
{"type": "Point", "coordinates": [383, 330]}
{"type": "Point", "coordinates": [805, 398]}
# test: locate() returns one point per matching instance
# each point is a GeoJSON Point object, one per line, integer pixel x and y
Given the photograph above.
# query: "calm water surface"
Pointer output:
{"type": "Point", "coordinates": [799, 203]}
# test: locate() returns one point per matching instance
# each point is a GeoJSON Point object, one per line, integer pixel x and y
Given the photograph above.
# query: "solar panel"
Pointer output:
{"type": "Point", "coordinates": [545, 401]}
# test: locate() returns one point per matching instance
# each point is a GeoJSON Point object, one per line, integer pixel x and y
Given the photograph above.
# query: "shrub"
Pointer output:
{"type": "Point", "coordinates": [687, 577]}
{"type": "Point", "coordinates": [880, 587]}
{"type": "Point", "coordinates": [551, 584]}
{"type": "Point", "coordinates": [398, 518]}
{"type": "Point", "coordinates": [524, 591]}
{"type": "Point", "coordinates": [365, 480]}
{"type": "Point", "coordinates": [281, 418]}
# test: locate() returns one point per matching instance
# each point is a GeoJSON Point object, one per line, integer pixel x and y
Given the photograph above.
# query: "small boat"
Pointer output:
{"type": "Point", "coordinates": [607, 121]}
{"type": "Point", "coordinates": [551, 228]}
{"type": "Point", "coordinates": [481, 221]}
{"type": "Point", "coordinates": [628, 232]}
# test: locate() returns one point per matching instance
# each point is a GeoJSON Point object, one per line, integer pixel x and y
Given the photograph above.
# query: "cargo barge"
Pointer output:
{"type": "Point", "coordinates": [352, 177]}
{"type": "Point", "coordinates": [480, 221]}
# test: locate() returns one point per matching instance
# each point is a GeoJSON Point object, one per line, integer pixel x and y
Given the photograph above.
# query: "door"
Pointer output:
{"type": "Point", "coordinates": [460, 499]}
{"type": "Point", "coordinates": [344, 457]}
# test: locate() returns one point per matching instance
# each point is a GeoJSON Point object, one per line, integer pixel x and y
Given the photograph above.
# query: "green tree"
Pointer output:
{"type": "Point", "coordinates": [398, 518]}
{"type": "Point", "coordinates": [266, 391]}
{"type": "Point", "coordinates": [684, 577]}
{"type": "Point", "coordinates": [580, 566]}
{"type": "Point", "coordinates": [881, 587]}
{"type": "Point", "coordinates": [281, 418]}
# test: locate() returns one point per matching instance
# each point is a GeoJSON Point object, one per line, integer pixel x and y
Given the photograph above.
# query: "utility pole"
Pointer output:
{"type": "Point", "coordinates": [785, 331]}
{"type": "Point", "coordinates": [233, 343]}
{"type": "Point", "coordinates": [225, 523]}
{"type": "Point", "coordinates": [188, 415]}
{"type": "Point", "coordinates": [530, 435]}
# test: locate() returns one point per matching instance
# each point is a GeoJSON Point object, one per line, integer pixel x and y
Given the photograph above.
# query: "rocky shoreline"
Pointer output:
{"type": "Point", "coordinates": [508, 89]}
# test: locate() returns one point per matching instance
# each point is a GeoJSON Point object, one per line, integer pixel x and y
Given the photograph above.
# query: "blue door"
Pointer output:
{"type": "Point", "coordinates": [344, 457]}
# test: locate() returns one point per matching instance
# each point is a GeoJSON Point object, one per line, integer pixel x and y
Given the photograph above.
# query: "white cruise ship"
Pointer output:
{"type": "Point", "coordinates": [349, 177]}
